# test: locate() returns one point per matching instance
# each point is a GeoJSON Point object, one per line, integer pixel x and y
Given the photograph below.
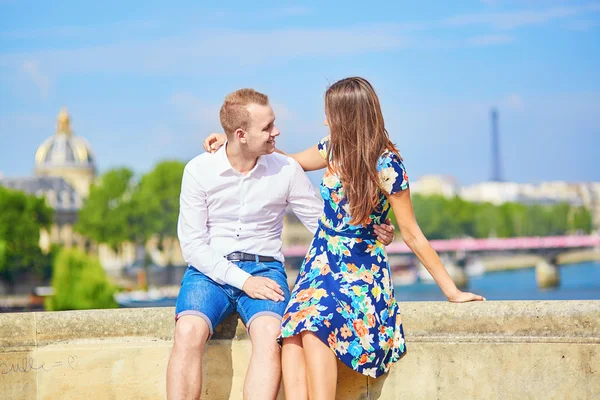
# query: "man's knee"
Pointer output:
{"type": "Point", "coordinates": [191, 333]}
{"type": "Point", "coordinates": [264, 331]}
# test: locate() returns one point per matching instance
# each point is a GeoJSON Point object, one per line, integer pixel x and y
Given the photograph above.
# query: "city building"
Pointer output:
{"type": "Point", "coordinates": [64, 171]}
{"type": "Point", "coordinates": [430, 185]}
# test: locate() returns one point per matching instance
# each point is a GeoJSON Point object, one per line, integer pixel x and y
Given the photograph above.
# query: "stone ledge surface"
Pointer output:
{"type": "Point", "coordinates": [490, 320]}
{"type": "Point", "coordinates": [17, 330]}
{"type": "Point", "coordinates": [521, 350]}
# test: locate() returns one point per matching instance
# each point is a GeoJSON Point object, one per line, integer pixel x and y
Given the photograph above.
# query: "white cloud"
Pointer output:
{"type": "Point", "coordinates": [261, 14]}
{"type": "Point", "coordinates": [582, 25]}
{"type": "Point", "coordinates": [27, 121]}
{"type": "Point", "coordinates": [294, 11]}
{"type": "Point", "coordinates": [213, 51]}
{"type": "Point", "coordinates": [188, 106]}
{"type": "Point", "coordinates": [32, 71]}
{"type": "Point", "coordinates": [124, 27]}
{"type": "Point", "coordinates": [282, 113]}
{"type": "Point", "coordinates": [224, 51]}
{"type": "Point", "coordinates": [515, 19]}
{"type": "Point", "coordinates": [489, 40]}
{"type": "Point", "coordinates": [514, 102]}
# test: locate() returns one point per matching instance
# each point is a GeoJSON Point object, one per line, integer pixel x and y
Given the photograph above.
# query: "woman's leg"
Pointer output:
{"type": "Point", "coordinates": [321, 368]}
{"type": "Point", "coordinates": [294, 369]}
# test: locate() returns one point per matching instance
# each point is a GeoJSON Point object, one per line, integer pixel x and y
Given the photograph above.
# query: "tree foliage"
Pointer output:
{"type": "Point", "coordinates": [21, 219]}
{"type": "Point", "coordinates": [120, 210]}
{"type": "Point", "coordinates": [445, 218]}
{"type": "Point", "coordinates": [104, 217]}
{"type": "Point", "coordinates": [79, 283]}
{"type": "Point", "coordinates": [156, 201]}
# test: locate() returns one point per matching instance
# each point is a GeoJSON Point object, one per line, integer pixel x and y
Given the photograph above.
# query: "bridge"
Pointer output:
{"type": "Point", "coordinates": [453, 251]}
{"type": "Point", "coordinates": [485, 245]}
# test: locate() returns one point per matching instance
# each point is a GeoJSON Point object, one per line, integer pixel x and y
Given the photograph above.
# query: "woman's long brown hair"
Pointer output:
{"type": "Point", "coordinates": [358, 138]}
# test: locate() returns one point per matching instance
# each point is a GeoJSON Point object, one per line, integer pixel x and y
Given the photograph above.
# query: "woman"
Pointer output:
{"type": "Point", "coordinates": [343, 299]}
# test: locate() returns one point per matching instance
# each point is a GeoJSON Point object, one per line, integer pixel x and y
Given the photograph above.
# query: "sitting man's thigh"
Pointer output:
{"type": "Point", "coordinates": [249, 308]}
{"type": "Point", "coordinates": [200, 296]}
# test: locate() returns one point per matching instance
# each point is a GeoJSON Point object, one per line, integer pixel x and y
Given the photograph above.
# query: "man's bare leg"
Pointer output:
{"type": "Point", "coordinates": [294, 369]}
{"type": "Point", "coordinates": [264, 372]}
{"type": "Point", "coordinates": [184, 372]}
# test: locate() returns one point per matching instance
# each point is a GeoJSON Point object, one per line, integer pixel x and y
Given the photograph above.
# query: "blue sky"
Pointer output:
{"type": "Point", "coordinates": [143, 82]}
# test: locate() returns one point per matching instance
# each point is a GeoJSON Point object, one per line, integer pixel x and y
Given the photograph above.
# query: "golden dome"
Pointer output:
{"type": "Point", "coordinates": [64, 149]}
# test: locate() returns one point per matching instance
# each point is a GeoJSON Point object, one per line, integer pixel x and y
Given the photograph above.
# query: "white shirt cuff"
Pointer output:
{"type": "Point", "coordinates": [236, 276]}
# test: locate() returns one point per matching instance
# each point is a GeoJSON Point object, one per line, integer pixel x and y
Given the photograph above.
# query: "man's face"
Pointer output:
{"type": "Point", "coordinates": [260, 137]}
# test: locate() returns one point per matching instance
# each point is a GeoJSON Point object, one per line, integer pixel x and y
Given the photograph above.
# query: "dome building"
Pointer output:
{"type": "Point", "coordinates": [65, 168]}
{"type": "Point", "coordinates": [64, 171]}
{"type": "Point", "coordinates": [67, 156]}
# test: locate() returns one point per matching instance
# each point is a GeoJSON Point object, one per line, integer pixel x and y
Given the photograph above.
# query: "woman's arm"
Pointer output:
{"type": "Point", "coordinates": [418, 243]}
{"type": "Point", "coordinates": [309, 159]}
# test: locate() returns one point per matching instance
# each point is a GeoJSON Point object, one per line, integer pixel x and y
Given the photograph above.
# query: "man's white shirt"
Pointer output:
{"type": "Point", "coordinates": [222, 211]}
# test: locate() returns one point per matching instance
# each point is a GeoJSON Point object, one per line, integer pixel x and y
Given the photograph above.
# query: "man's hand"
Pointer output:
{"type": "Point", "coordinates": [214, 142]}
{"type": "Point", "coordinates": [263, 288]}
{"type": "Point", "coordinates": [385, 232]}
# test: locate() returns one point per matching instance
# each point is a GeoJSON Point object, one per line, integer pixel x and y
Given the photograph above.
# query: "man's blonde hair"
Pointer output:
{"type": "Point", "coordinates": [234, 114]}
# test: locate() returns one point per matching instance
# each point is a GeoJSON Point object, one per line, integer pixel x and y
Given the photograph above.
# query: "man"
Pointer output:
{"type": "Point", "coordinates": [231, 217]}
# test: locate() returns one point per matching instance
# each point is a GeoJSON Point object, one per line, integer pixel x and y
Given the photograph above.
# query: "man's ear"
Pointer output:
{"type": "Point", "coordinates": [241, 135]}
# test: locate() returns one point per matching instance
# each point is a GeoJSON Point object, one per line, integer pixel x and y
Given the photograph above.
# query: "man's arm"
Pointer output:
{"type": "Point", "coordinates": [192, 231]}
{"type": "Point", "coordinates": [303, 199]}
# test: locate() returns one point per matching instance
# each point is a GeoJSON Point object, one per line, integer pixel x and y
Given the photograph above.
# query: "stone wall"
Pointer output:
{"type": "Point", "coordinates": [490, 350]}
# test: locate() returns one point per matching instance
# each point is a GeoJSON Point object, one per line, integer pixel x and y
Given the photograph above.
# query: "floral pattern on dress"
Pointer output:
{"type": "Point", "coordinates": [344, 293]}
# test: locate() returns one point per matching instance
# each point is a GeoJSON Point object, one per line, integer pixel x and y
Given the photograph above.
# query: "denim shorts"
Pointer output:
{"type": "Point", "coordinates": [201, 296]}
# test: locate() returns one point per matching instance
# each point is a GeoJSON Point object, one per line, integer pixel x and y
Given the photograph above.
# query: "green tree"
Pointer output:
{"type": "Point", "coordinates": [432, 214]}
{"type": "Point", "coordinates": [155, 206]}
{"type": "Point", "coordinates": [512, 220]}
{"type": "Point", "coordinates": [445, 218]}
{"type": "Point", "coordinates": [156, 201]}
{"type": "Point", "coordinates": [486, 220]}
{"type": "Point", "coordinates": [581, 220]}
{"type": "Point", "coordinates": [79, 283]}
{"type": "Point", "coordinates": [558, 219]}
{"type": "Point", "coordinates": [3, 254]}
{"type": "Point", "coordinates": [21, 220]}
{"type": "Point", "coordinates": [104, 217]}
{"type": "Point", "coordinates": [120, 210]}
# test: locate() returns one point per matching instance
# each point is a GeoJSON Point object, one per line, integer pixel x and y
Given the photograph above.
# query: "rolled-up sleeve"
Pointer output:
{"type": "Point", "coordinates": [192, 230]}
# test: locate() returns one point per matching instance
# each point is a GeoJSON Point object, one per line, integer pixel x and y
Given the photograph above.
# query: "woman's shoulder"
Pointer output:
{"type": "Point", "coordinates": [389, 158]}
{"type": "Point", "coordinates": [323, 146]}
{"type": "Point", "coordinates": [392, 173]}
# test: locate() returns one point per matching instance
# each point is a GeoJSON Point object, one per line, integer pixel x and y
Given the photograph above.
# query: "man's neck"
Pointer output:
{"type": "Point", "coordinates": [243, 163]}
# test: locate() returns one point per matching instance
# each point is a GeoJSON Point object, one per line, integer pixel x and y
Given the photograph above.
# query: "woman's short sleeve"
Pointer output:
{"type": "Point", "coordinates": [392, 173]}
{"type": "Point", "coordinates": [323, 146]}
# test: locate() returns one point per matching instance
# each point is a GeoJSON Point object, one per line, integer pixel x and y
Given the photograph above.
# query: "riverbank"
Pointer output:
{"type": "Point", "coordinates": [504, 263]}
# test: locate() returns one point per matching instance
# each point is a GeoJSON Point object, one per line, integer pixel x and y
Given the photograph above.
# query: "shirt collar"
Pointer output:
{"type": "Point", "coordinates": [223, 165]}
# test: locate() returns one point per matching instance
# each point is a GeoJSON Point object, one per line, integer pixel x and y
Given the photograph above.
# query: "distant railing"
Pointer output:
{"type": "Point", "coordinates": [520, 243]}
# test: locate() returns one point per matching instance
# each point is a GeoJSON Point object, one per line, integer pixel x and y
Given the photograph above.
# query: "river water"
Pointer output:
{"type": "Point", "coordinates": [577, 282]}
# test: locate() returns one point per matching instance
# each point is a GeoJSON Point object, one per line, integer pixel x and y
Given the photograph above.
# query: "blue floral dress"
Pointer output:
{"type": "Point", "coordinates": [344, 293]}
